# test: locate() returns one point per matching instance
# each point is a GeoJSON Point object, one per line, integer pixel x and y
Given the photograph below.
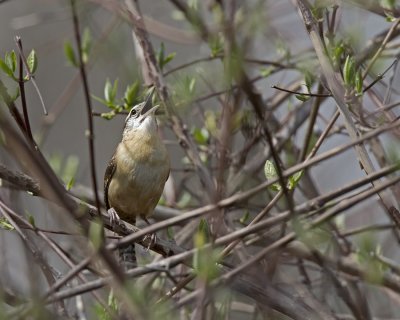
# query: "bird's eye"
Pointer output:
{"type": "Point", "coordinates": [132, 113]}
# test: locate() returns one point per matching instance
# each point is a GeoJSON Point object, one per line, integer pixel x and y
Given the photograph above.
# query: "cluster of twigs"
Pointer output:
{"type": "Point", "coordinates": [248, 227]}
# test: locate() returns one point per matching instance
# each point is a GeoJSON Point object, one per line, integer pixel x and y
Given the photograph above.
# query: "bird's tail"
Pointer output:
{"type": "Point", "coordinates": [127, 256]}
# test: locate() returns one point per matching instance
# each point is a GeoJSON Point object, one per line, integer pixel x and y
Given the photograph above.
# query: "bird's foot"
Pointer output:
{"type": "Point", "coordinates": [114, 217]}
{"type": "Point", "coordinates": [152, 238]}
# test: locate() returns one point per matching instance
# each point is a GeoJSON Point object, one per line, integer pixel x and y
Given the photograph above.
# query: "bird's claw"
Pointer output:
{"type": "Point", "coordinates": [152, 238]}
{"type": "Point", "coordinates": [114, 217]}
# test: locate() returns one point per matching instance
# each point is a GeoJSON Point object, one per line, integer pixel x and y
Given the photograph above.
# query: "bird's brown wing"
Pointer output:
{"type": "Point", "coordinates": [111, 167]}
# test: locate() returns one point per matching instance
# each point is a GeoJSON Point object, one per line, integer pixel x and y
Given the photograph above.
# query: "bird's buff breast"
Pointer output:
{"type": "Point", "coordinates": [141, 172]}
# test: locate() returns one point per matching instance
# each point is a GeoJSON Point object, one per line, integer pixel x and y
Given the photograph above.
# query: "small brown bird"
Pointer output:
{"type": "Point", "coordinates": [136, 174]}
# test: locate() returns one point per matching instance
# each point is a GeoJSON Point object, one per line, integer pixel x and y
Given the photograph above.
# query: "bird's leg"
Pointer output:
{"type": "Point", "coordinates": [152, 236]}
{"type": "Point", "coordinates": [114, 217]}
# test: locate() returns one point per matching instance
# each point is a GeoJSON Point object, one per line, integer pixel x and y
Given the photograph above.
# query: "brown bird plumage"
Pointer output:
{"type": "Point", "coordinates": [136, 174]}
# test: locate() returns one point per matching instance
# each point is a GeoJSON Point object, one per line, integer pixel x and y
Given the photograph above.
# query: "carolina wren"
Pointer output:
{"type": "Point", "coordinates": [136, 174]}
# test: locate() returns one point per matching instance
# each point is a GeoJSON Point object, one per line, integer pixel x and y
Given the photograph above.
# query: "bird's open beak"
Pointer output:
{"type": "Point", "coordinates": [151, 110]}
{"type": "Point", "coordinates": [148, 106]}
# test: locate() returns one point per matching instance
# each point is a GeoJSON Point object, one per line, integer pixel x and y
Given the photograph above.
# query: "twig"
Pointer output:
{"type": "Point", "coordinates": [156, 77]}
{"type": "Point", "coordinates": [88, 104]}
{"type": "Point", "coordinates": [51, 188]}
{"type": "Point", "coordinates": [21, 84]}
{"type": "Point", "coordinates": [345, 204]}
{"type": "Point", "coordinates": [139, 234]}
{"type": "Point", "coordinates": [12, 108]}
{"type": "Point", "coordinates": [356, 231]}
{"type": "Point", "coordinates": [30, 75]}
{"type": "Point", "coordinates": [249, 193]}
{"type": "Point", "coordinates": [56, 248]}
{"type": "Point", "coordinates": [172, 261]}
{"type": "Point", "coordinates": [62, 101]}
{"type": "Point", "coordinates": [35, 252]}
{"type": "Point", "coordinates": [310, 127]}
{"type": "Point", "coordinates": [324, 95]}
{"type": "Point", "coordinates": [336, 86]}
{"type": "Point", "coordinates": [381, 76]}
{"type": "Point", "coordinates": [381, 47]}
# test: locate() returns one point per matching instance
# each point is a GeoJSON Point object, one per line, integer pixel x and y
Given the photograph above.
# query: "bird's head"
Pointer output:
{"type": "Point", "coordinates": [142, 117]}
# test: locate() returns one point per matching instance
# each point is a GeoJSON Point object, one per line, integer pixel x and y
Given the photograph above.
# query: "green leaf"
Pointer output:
{"type": "Point", "coordinates": [205, 259]}
{"type": "Point", "coordinates": [71, 165]}
{"type": "Point", "coordinates": [216, 45]}
{"type": "Point", "coordinates": [359, 82]}
{"type": "Point", "coordinates": [108, 115]}
{"type": "Point", "coordinates": [11, 60]}
{"type": "Point", "coordinates": [245, 217]}
{"type": "Point", "coordinates": [294, 179]}
{"type": "Point", "coordinates": [201, 136]}
{"type": "Point", "coordinates": [101, 312]}
{"type": "Point", "coordinates": [110, 91]}
{"type": "Point", "coordinates": [86, 44]}
{"type": "Point", "coordinates": [32, 61]}
{"type": "Point", "coordinates": [31, 220]}
{"type": "Point", "coordinates": [169, 58]}
{"type": "Point", "coordinates": [131, 94]}
{"type": "Point", "coordinates": [270, 174]}
{"type": "Point", "coordinates": [204, 229]}
{"type": "Point", "coordinates": [5, 225]}
{"type": "Point", "coordinates": [114, 89]}
{"type": "Point", "coordinates": [349, 71]}
{"type": "Point", "coordinates": [160, 55]}
{"type": "Point", "coordinates": [302, 97]}
{"type": "Point", "coordinates": [163, 60]}
{"type": "Point", "coordinates": [337, 53]}
{"type": "Point", "coordinates": [112, 301]}
{"type": "Point", "coordinates": [6, 69]}
{"type": "Point", "coordinates": [389, 17]}
{"type": "Point", "coordinates": [192, 84]}
{"type": "Point", "coordinates": [309, 80]}
{"type": "Point", "coordinates": [70, 184]}
{"type": "Point", "coordinates": [70, 169]}
{"type": "Point", "coordinates": [100, 100]}
{"type": "Point", "coordinates": [70, 54]}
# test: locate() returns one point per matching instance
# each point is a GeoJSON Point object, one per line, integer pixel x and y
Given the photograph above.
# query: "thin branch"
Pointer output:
{"type": "Point", "coordinates": [30, 75]}
{"type": "Point", "coordinates": [21, 84]}
{"type": "Point", "coordinates": [381, 76]}
{"type": "Point", "coordinates": [336, 86]}
{"type": "Point", "coordinates": [324, 95]}
{"type": "Point", "coordinates": [156, 77]}
{"type": "Point", "coordinates": [381, 47]}
{"type": "Point", "coordinates": [89, 110]}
